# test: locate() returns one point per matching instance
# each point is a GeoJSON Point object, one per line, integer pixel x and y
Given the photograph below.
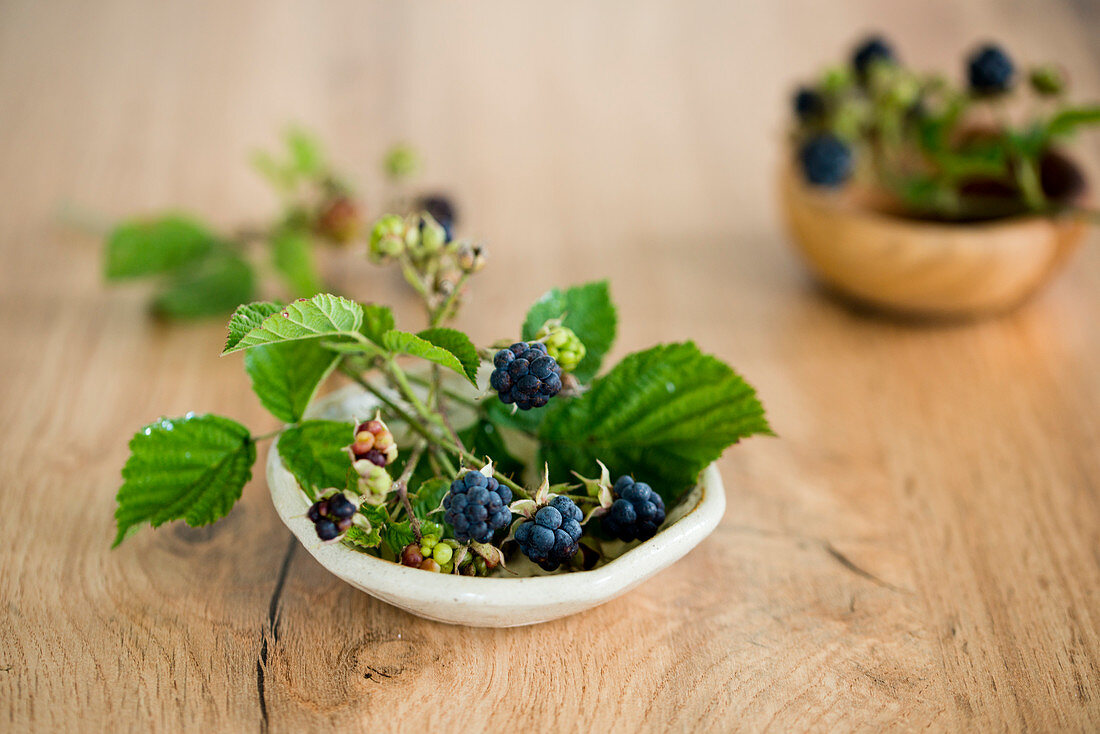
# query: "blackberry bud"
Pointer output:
{"type": "Point", "coordinates": [562, 344]}
{"type": "Point", "coordinates": [387, 238]}
{"type": "Point", "coordinates": [441, 210]}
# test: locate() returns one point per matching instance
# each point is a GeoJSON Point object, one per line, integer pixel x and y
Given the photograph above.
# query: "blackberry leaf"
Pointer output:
{"type": "Point", "coordinates": [661, 415]}
{"type": "Point", "coordinates": [191, 468]}
{"type": "Point", "coordinates": [402, 342]}
{"type": "Point", "coordinates": [246, 318]}
{"type": "Point", "coordinates": [362, 539]}
{"type": "Point", "coordinates": [292, 256]}
{"type": "Point", "coordinates": [428, 496]}
{"type": "Point", "coordinates": [588, 311]}
{"type": "Point", "coordinates": [315, 453]}
{"type": "Point", "coordinates": [322, 315]}
{"type": "Point", "coordinates": [377, 320]}
{"type": "Point", "coordinates": [161, 245]}
{"type": "Point", "coordinates": [285, 376]}
{"type": "Point", "coordinates": [458, 344]}
{"type": "Point", "coordinates": [208, 287]}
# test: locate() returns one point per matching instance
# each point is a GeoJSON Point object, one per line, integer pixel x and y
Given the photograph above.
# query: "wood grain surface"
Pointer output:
{"type": "Point", "coordinates": [918, 550]}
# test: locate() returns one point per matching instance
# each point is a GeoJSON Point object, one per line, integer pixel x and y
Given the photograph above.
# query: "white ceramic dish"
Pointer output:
{"type": "Point", "coordinates": [494, 601]}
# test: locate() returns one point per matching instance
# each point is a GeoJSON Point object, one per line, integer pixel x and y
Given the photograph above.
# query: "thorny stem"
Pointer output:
{"type": "Point", "coordinates": [402, 486]}
{"type": "Point", "coordinates": [455, 396]}
{"type": "Point", "coordinates": [433, 438]}
{"type": "Point", "coordinates": [446, 309]}
{"type": "Point", "coordinates": [271, 434]}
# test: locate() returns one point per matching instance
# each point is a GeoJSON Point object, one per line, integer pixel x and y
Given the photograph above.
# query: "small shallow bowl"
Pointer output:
{"type": "Point", "coordinates": [924, 269]}
{"type": "Point", "coordinates": [498, 601]}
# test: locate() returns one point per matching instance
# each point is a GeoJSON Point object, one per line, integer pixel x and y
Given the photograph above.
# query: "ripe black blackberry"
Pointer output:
{"type": "Point", "coordinates": [826, 160]}
{"type": "Point", "coordinates": [553, 536]}
{"type": "Point", "coordinates": [477, 506]}
{"type": "Point", "coordinates": [331, 517]}
{"type": "Point", "coordinates": [525, 375]}
{"type": "Point", "coordinates": [990, 71]}
{"type": "Point", "coordinates": [873, 49]}
{"type": "Point", "coordinates": [637, 511]}
{"type": "Point", "coordinates": [809, 105]}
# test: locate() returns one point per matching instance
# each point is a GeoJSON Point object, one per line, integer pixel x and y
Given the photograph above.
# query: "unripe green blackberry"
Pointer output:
{"type": "Point", "coordinates": [562, 345]}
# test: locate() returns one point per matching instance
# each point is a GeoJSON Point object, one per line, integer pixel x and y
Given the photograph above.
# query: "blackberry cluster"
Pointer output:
{"type": "Point", "coordinates": [477, 506]}
{"type": "Point", "coordinates": [331, 517]}
{"type": "Point", "coordinates": [637, 511]}
{"type": "Point", "coordinates": [442, 211]}
{"type": "Point", "coordinates": [826, 160]}
{"type": "Point", "coordinates": [374, 443]}
{"type": "Point", "coordinates": [809, 105]}
{"type": "Point", "coordinates": [871, 50]}
{"type": "Point", "coordinates": [553, 536]}
{"type": "Point", "coordinates": [990, 71]}
{"type": "Point", "coordinates": [525, 375]}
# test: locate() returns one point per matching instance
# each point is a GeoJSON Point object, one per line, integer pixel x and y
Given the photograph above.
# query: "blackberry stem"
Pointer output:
{"type": "Point", "coordinates": [402, 486]}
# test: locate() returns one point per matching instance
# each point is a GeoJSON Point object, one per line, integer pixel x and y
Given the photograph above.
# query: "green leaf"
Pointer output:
{"type": "Point", "coordinates": [458, 344]}
{"type": "Point", "coordinates": [402, 342]}
{"type": "Point", "coordinates": [508, 416]}
{"type": "Point", "coordinates": [397, 535]}
{"type": "Point", "coordinates": [192, 468]}
{"type": "Point", "coordinates": [306, 155]}
{"type": "Point", "coordinates": [212, 286]}
{"type": "Point", "coordinates": [322, 315]}
{"type": "Point", "coordinates": [661, 415]}
{"type": "Point", "coordinates": [161, 245]}
{"type": "Point", "coordinates": [377, 320]}
{"type": "Point", "coordinates": [246, 318]}
{"type": "Point", "coordinates": [483, 439]}
{"type": "Point", "coordinates": [588, 311]}
{"type": "Point", "coordinates": [362, 539]}
{"type": "Point", "coordinates": [285, 376]}
{"type": "Point", "coordinates": [292, 256]}
{"type": "Point", "coordinates": [428, 496]}
{"type": "Point", "coordinates": [1068, 120]}
{"type": "Point", "coordinates": [315, 452]}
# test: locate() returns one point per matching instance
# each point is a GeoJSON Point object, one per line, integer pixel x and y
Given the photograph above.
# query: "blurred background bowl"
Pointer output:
{"type": "Point", "coordinates": [919, 268]}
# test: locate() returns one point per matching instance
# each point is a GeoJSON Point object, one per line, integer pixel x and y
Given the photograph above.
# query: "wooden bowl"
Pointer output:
{"type": "Point", "coordinates": [923, 269]}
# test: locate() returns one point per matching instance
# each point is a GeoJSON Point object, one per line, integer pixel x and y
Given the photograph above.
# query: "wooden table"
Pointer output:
{"type": "Point", "coordinates": [920, 549]}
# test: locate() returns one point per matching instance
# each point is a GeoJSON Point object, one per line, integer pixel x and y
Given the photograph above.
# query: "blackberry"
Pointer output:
{"type": "Point", "coordinates": [826, 160]}
{"type": "Point", "coordinates": [326, 529]}
{"type": "Point", "coordinates": [374, 443]}
{"type": "Point", "coordinates": [553, 536]}
{"type": "Point", "coordinates": [989, 70]}
{"type": "Point", "coordinates": [339, 220]}
{"type": "Point", "coordinates": [331, 517]}
{"type": "Point", "coordinates": [525, 375]}
{"type": "Point", "coordinates": [872, 50]}
{"type": "Point", "coordinates": [809, 105]}
{"type": "Point", "coordinates": [477, 506]}
{"type": "Point", "coordinates": [637, 511]}
{"type": "Point", "coordinates": [442, 211]}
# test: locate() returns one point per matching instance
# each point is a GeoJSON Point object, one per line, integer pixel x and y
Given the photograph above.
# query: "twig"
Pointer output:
{"type": "Point", "coordinates": [402, 486]}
